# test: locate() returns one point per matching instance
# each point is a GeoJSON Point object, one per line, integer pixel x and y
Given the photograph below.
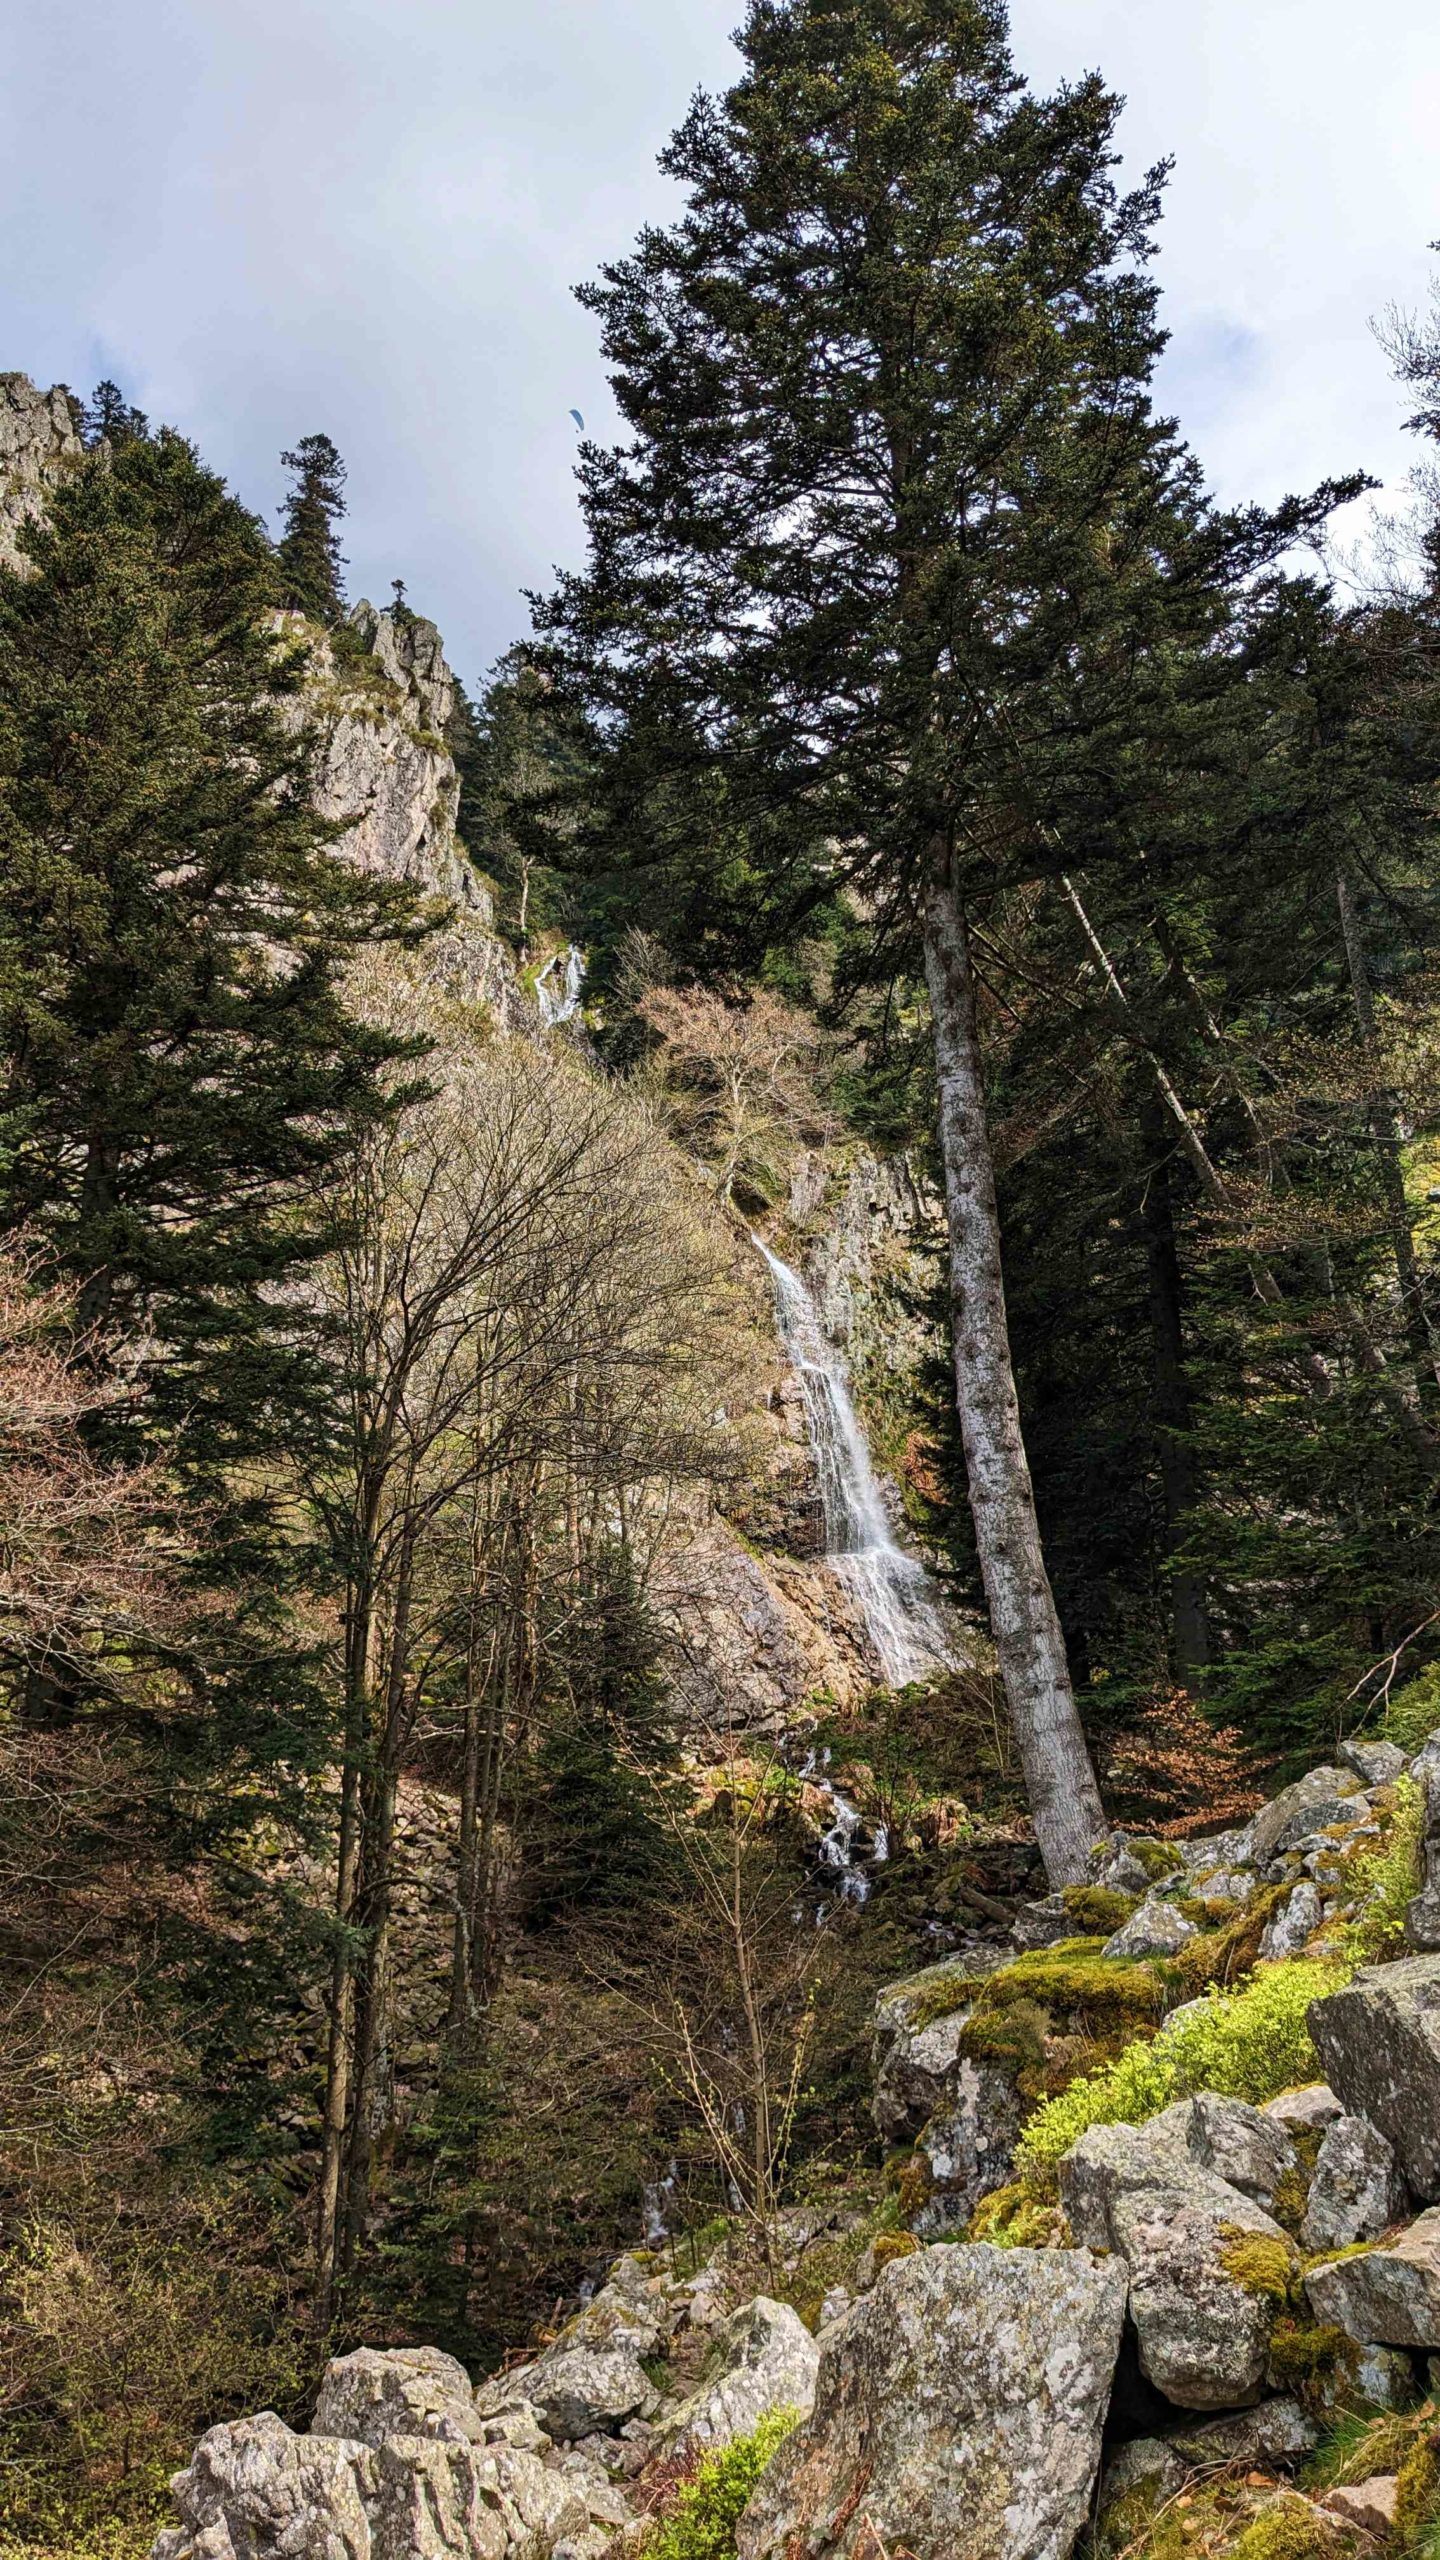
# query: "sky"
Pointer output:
{"type": "Point", "coordinates": [367, 217]}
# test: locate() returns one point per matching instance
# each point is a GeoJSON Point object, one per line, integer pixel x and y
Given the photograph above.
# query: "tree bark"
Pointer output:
{"type": "Point", "coordinates": [1064, 1797]}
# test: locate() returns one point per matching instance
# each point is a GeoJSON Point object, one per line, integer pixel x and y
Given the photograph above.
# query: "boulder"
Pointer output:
{"type": "Point", "coordinates": [1207, 2266]}
{"type": "Point", "coordinates": [540, 2509]}
{"type": "Point", "coordinates": [1308, 2110]}
{"type": "Point", "coordinates": [1371, 2377]}
{"type": "Point", "coordinates": [915, 2049]}
{"type": "Point", "coordinates": [433, 2501]}
{"type": "Point", "coordinates": [1379, 2039]}
{"type": "Point", "coordinates": [1245, 2148]}
{"type": "Point", "coordinates": [1043, 1923]}
{"type": "Point", "coordinates": [767, 2360]}
{"type": "Point", "coordinates": [1369, 2505]}
{"type": "Point", "coordinates": [591, 2381]}
{"type": "Point", "coordinates": [1147, 2462]}
{"type": "Point", "coordinates": [1273, 2437]}
{"type": "Point", "coordinates": [1113, 1863]}
{"type": "Point", "coordinates": [969, 2145]}
{"type": "Point", "coordinates": [1422, 1920]}
{"type": "Point", "coordinates": [1268, 2438]}
{"type": "Point", "coordinates": [1294, 1924]}
{"type": "Point", "coordinates": [957, 2413]}
{"type": "Point", "coordinates": [1357, 2190]}
{"type": "Point", "coordinates": [1390, 2294]}
{"type": "Point", "coordinates": [1376, 1764]}
{"type": "Point", "coordinates": [1156, 1929]}
{"type": "Point", "coordinates": [1322, 1797]}
{"type": "Point", "coordinates": [401, 2391]}
{"type": "Point", "coordinates": [585, 2390]}
{"type": "Point", "coordinates": [256, 2491]}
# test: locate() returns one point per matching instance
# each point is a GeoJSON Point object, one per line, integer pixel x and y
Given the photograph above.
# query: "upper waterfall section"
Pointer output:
{"type": "Point", "coordinates": [895, 1595]}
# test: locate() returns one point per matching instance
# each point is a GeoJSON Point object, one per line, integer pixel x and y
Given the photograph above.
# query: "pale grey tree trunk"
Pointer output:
{"type": "Point", "coordinates": [1064, 1797]}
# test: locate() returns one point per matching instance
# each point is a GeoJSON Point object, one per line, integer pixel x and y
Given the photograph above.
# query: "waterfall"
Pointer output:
{"type": "Point", "coordinates": [895, 1595]}
{"type": "Point", "coordinates": [561, 1003]}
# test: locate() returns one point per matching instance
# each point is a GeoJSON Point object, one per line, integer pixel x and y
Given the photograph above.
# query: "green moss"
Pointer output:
{"type": "Point", "coordinates": [1221, 1956]}
{"type": "Point", "coordinates": [701, 2524]}
{"type": "Point", "coordinates": [1248, 2043]}
{"type": "Point", "coordinates": [1016, 2218]}
{"type": "Point", "coordinates": [1417, 2503]}
{"type": "Point", "coordinates": [1015, 2036]}
{"type": "Point", "coordinates": [1159, 1858]}
{"type": "Point", "coordinates": [940, 1999]}
{"type": "Point", "coordinates": [889, 2245]}
{"type": "Point", "coordinates": [1258, 2264]}
{"type": "Point", "coordinates": [1098, 1909]}
{"type": "Point", "coordinates": [1078, 1981]}
{"type": "Point", "coordinates": [1305, 2354]}
{"type": "Point", "coordinates": [1287, 2529]}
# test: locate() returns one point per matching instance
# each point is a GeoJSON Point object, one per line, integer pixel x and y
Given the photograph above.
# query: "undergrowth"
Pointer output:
{"type": "Point", "coordinates": [1250, 2043]}
{"type": "Point", "coordinates": [701, 2524]}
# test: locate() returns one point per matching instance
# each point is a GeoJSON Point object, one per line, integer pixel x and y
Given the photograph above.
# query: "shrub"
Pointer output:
{"type": "Point", "coordinates": [1250, 2043]}
{"type": "Point", "coordinates": [1386, 1879]}
{"type": "Point", "coordinates": [701, 2524]}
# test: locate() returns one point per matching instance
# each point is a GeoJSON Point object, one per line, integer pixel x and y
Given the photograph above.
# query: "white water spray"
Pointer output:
{"type": "Point", "coordinates": [896, 1596]}
{"type": "Point", "coordinates": [559, 998]}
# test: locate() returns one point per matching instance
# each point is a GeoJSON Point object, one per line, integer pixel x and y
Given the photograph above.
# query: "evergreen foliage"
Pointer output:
{"type": "Point", "coordinates": [311, 565]}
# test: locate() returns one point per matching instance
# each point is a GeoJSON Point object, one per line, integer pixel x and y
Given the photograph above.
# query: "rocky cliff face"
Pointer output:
{"type": "Point", "coordinates": [38, 445]}
{"type": "Point", "coordinates": [760, 1626]}
{"type": "Point", "coordinates": [384, 708]}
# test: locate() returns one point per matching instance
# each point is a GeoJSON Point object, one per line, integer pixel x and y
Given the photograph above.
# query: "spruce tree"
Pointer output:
{"type": "Point", "coordinates": [874, 569]}
{"type": "Point", "coordinates": [112, 419]}
{"type": "Point", "coordinates": [179, 1062]}
{"type": "Point", "coordinates": [311, 565]}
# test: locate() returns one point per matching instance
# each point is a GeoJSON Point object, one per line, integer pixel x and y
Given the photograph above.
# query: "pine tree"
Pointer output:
{"type": "Point", "coordinates": [894, 515]}
{"type": "Point", "coordinates": [311, 565]}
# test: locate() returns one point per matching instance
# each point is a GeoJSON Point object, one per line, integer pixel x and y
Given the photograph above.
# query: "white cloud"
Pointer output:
{"type": "Point", "coordinates": [367, 215]}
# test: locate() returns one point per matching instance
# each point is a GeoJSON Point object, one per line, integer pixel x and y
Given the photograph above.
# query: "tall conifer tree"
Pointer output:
{"type": "Point", "coordinates": [311, 564]}
{"type": "Point", "coordinates": [179, 1062]}
{"type": "Point", "coordinates": [893, 522]}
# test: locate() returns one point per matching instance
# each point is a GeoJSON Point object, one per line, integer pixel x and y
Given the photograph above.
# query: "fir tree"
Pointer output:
{"type": "Point", "coordinates": [112, 419]}
{"type": "Point", "coordinates": [311, 564]}
{"type": "Point", "coordinates": [894, 515]}
{"type": "Point", "coordinates": [179, 1060]}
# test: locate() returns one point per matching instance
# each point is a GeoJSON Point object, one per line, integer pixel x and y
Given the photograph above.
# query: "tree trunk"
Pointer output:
{"type": "Point", "coordinates": [1189, 1626]}
{"type": "Point", "coordinates": [1064, 1797]}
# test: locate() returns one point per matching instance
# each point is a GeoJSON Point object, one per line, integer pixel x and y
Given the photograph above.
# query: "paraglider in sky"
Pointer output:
{"type": "Point", "coordinates": [579, 421]}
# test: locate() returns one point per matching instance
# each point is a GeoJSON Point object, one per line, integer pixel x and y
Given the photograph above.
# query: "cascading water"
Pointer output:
{"type": "Point", "coordinates": [559, 999]}
{"type": "Point", "coordinates": [895, 1595]}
